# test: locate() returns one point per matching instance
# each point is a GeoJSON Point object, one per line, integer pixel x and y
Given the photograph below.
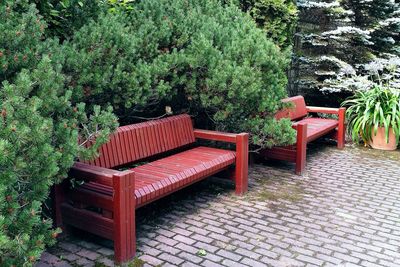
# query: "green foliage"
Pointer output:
{"type": "Point", "coordinates": [278, 18]}
{"type": "Point", "coordinates": [39, 133]}
{"type": "Point", "coordinates": [107, 64]}
{"type": "Point", "coordinates": [66, 16]}
{"type": "Point", "coordinates": [210, 57]}
{"type": "Point", "coordinates": [368, 110]}
{"type": "Point", "coordinates": [116, 5]}
{"type": "Point", "coordinates": [381, 18]}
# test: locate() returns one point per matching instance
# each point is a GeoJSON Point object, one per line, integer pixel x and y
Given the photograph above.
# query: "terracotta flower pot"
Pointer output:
{"type": "Point", "coordinates": [379, 141]}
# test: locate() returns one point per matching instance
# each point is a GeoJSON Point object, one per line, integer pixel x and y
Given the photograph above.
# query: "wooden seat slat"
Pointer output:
{"type": "Point", "coordinates": [173, 165]}
{"type": "Point", "coordinates": [171, 177]}
{"type": "Point", "coordinates": [156, 182]}
{"type": "Point", "coordinates": [166, 185]}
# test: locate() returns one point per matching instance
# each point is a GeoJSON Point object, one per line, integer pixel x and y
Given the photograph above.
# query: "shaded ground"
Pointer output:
{"type": "Point", "coordinates": [345, 211]}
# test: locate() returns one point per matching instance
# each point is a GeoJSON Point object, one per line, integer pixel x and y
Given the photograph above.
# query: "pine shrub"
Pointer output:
{"type": "Point", "coordinates": [39, 129]}
{"type": "Point", "coordinates": [278, 18]}
{"type": "Point", "coordinates": [212, 57]}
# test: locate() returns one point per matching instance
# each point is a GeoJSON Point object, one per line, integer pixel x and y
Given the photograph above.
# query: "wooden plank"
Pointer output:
{"type": "Point", "coordinates": [325, 110]}
{"type": "Point", "coordinates": [301, 148]}
{"type": "Point", "coordinates": [242, 154]}
{"type": "Point", "coordinates": [91, 198]}
{"type": "Point", "coordinates": [215, 136]}
{"type": "Point", "coordinates": [88, 221]}
{"type": "Point", "coordinates": [341, 131]}
{"type": "Point", "coordinates": [135, 143]}
{"type": "Point", "coordinates": [91, 173]}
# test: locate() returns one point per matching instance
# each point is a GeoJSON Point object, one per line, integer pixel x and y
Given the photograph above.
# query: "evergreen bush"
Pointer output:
{"type": "Point", "coordinates": [39, 129]}
{"type": "Point", "coordinates": [213, 57]}
{"type": "Point", "coordinates": [63, 17]}
{"type": "Point", "coordinates": [278, 18]}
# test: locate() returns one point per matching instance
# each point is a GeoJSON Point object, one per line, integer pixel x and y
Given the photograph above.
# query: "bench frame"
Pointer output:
{"type": "Point", "coordinates": [121, 226]}
{"type": "Point", "coordinates": [297, 153]}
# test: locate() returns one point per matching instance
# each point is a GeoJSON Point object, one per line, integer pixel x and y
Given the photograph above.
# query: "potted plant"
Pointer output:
{"type": "Point", "coordinates": [374, 115]}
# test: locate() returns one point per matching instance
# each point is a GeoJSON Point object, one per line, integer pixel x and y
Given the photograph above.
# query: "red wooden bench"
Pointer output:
{"type": "Point", "coordinates": [308, 129]}
{"type": "Point", "coordinates": [105, 204]}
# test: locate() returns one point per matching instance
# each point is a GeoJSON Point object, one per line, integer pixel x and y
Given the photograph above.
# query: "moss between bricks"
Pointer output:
{"type": "Point", "coordinates": [276, 188]}
{"type": "Point", "coordinates": [136, 263]}
{"type": "Point", "coordinates": [287, 192]}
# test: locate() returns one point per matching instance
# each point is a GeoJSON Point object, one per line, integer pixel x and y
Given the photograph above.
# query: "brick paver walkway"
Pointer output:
{"type": "Point", "coordinates": [344, 212]}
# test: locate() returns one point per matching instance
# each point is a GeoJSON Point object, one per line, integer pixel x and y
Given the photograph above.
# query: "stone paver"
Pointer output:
{"type": "Point", "coordinates": [345, 211]}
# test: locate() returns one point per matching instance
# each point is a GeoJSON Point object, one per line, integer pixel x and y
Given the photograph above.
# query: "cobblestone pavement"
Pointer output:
{"type": "Point", "coordinates": [345, 211]}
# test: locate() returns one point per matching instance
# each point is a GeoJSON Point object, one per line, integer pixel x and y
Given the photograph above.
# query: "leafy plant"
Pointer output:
{"type": "Point", "coordinates": [63, 17]}
{"type": "Point", "coordinates": [196, 56]}
{"type": "Point", "coordinates": [114, 5]}
{"type": "Point", "coordinates": [278, 18]}
{"type": "Point", "coordinates": [368, 110]}
{"type": "Point", "coordinates": [39, 129]}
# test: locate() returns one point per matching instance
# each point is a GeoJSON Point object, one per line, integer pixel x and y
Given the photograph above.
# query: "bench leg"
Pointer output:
{"type": "Point", "coordinates": [124, 218]}
{"type": "Point", "coordinates": [242, 163]}
{"type": "Point", "coordinates": [59, 198]}
{"type": "Point", "coordinates": [301, 148]}
{"type": "Point", "coordinates": [341, 132]}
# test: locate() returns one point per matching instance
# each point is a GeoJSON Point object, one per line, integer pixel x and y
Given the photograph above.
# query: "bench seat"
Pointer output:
{"type": "Point", "coordinates": [318, 127]}
{"type": "Point", "coordinates": [167, 175]}
{"type": "Point", "coordinates": [164, 176]}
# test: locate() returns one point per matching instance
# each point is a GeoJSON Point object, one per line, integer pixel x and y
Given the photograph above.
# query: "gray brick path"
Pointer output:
{"type": "Point", "coordinates": [344, 212]}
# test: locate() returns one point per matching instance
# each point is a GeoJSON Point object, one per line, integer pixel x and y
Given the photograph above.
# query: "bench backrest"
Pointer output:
{"type": "Point", "coordinates": [297, 111]}
{"type": "Point", "coordinates": [138, 141]}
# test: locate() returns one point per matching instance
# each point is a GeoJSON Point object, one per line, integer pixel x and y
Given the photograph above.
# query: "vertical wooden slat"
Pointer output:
{"type": "Point", "coordinates": [123, 145]}
{"type": "Point", "coordinates": [124, 216]}
{"type": "Point", "coordinates": [169, 132]}
{"type": "Point", "coordinates": [151, 138]}
{"type": "Point", "coordinates": [132, 153]}
{"type": "Point", "coordinates": [142, 141]}
{"type": "Point", "coordinates": [341, 132]}
{"type": "Point", "coordinates": [161, 137]}
{"type": "Point", "coordinates": [102, 158]}
{"type": "Point", "coordinates": [104, 155]}
{"type": "Point", "coordinates": [118, 145]}
{"type": "Point", "coordinates": [301, 148]}
{"type": "Point", "coordinates": [112, 152]}
{"type": "Point", "coordinates": [135, 146]}
{"type": "Point", "coordinates": [242, 159]}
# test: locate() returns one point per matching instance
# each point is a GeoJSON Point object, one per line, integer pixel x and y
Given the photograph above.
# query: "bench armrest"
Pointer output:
{"type": "Point", "coordinates": [312, 109]}
{"type": "Point", "coordinates": [217, 136]}
{"type": "Point", "coordinates": [242, 154]}
{"type": "Point", "coordinates": [96, 174]}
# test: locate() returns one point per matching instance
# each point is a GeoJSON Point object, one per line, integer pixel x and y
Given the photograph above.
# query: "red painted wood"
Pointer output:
{"type": "Point", "coordinates": [86, 220]}
{"type": "Point", "coordinates": [297, 111]}
{"type": "Point", "coordinates": [280, 153]}
{"type": "Point", "coordinates": [341, 132]}
{"type": "Point", "coordinates": [92, 198]}
{"type": "Point", "coordinates": [301, 148]}
{"type": "Point", "coordinates": [311, 109]}
{"type": "Point", "coordinates": [215, 136]}
{"type": "Point", "coordinates": [315, 128]}
{"type": "Point", "coordinates": [318, 127]}
{"type": "Point", "coordinates": [92, 173]}
{"type": "Point", "coordinates": [135, 142]}
{"type": "Point", "coordinates": [117, 194]}
{"type": "Point", "coordinates": [59, 198]}
{"type": "Point", "coordinates": [124, 216]}
{"type": "Point", "coordinates": [242, 159]}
